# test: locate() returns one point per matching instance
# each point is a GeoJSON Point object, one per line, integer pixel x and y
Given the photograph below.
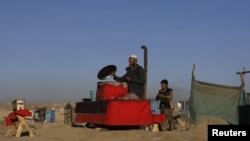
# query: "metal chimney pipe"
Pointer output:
{"type": "Point", "coordinates": [145, 69]}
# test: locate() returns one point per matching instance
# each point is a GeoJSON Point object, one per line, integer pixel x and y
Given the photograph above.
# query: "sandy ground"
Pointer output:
{"type": "Point", "coordinates": [58, 131]}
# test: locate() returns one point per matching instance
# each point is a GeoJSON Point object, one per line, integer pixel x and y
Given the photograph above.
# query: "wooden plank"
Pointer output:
{"type": "Point", "coordinates": [10, 131]}
{"type": "Point", "coordinates": [19, 130]}
{"type": "Point", "coordinates": [23, 122]}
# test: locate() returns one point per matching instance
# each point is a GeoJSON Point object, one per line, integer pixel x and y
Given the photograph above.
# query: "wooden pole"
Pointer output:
{"type": "Point", "coordinates": [239, 72]}
{"type": "Point", "coordinates": [193, 71]}
{"type": "Point", "coordinates": [242, 76]}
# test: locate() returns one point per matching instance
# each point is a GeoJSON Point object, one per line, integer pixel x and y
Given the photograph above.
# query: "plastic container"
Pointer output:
{"type": "Point", "coordinates": [50, 116]}
{"type": "Point", "coordinates": [93, 95]}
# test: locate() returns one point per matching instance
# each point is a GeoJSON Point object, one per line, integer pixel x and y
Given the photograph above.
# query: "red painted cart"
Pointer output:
{"type": "Point", "coordinates": [117, 113]}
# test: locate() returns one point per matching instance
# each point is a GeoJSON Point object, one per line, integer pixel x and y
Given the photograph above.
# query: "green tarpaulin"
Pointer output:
{"type": "Point", "coordinates": [208, 100]}
{"type": "Point", "coordinates": [244, 109]}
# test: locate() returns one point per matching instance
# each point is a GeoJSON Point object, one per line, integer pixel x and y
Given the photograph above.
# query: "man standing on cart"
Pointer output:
{"type": "Point", "coordinates": [134, 77]}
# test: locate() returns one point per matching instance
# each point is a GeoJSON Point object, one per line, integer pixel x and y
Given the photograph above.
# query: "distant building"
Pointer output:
{"type": "Point", "coordinates": [183, 105]}
{"type": "Point", "coordinates": [18, 104]}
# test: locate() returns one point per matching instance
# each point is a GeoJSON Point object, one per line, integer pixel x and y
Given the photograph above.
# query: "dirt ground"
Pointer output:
{"type": "Point", "coordinates": [59, 131]}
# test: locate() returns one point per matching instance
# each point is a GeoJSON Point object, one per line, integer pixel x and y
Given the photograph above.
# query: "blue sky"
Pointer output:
{"type": "Point", "coordinates": [53, 50]}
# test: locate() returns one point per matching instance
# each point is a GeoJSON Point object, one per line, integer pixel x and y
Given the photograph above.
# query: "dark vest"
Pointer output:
{"type": "Point", "coordinates": [165, 103]}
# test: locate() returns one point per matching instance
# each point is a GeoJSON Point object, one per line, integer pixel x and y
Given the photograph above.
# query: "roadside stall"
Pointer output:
{"type": "Point", "coordinates": [117, 112]}
{"type": "Point", "coordinates": [113, 106]}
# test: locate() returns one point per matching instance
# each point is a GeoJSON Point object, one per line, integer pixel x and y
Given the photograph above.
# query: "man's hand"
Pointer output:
{"type": "Point", "coordinates": [128, 78]}
{"type": "Point", "coordinates": [160, 95]}
{"type": "Point", "coordinates": [112, 74]}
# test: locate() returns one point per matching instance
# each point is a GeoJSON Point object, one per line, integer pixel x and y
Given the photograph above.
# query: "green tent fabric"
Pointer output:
{"type": "Point", "coordinates": [244, 109]}
{"type": "Point", "coordinates": [208, 100]}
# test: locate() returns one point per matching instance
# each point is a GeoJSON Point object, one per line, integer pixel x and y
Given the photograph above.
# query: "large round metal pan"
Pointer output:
{"type": "Point", "coordinates": [106, 71]}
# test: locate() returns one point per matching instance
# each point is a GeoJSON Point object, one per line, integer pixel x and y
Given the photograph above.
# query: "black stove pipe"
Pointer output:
{"type": "Point", "coordinates": [145, 69]}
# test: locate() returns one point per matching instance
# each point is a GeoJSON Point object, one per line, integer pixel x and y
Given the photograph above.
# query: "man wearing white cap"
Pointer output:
{"type": "Point", "coordinates": [134, 77]}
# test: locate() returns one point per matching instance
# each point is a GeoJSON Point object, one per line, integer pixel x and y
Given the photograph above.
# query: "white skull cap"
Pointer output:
{"type": "Point", "coordinates": [133, 56]}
